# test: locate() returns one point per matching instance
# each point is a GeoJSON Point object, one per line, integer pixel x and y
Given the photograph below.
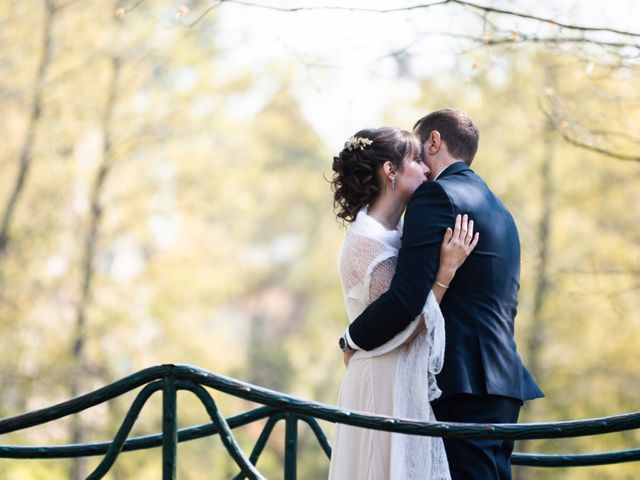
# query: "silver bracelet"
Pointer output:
{"type": "Point", "coordinates": [440, 284]}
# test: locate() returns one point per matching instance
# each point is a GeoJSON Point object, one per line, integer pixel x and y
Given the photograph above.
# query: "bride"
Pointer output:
{"type": "Point", "coordinates": [374, 176]}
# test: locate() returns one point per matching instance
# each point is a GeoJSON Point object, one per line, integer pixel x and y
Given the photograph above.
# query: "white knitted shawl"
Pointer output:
{"type": "Point", "coordinates": [367, 264]}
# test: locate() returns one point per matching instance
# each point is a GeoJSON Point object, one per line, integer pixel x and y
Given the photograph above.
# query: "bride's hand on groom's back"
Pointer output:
{"type": "Point", "coordinates": [458, 243]}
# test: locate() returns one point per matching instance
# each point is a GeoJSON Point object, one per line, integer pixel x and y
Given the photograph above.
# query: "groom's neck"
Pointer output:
{"type": "Point", "coordinates": [442, 166]}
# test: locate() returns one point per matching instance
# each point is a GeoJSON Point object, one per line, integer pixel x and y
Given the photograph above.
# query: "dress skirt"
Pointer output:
{"type": "Point", "coordinates": [368, 386]}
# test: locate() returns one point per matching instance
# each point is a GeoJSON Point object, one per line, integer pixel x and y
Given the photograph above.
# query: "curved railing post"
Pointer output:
{"type": "Point", "coordinates": [169, 427]}
{"type": "Point", "coordinates": [261, 442]}
{"type": "Point", "coordinates": [223, 429]}
{"type": "Point", "coordinates": [290, 446]}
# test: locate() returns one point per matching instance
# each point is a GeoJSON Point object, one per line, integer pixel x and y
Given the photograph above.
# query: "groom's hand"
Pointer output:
{"type": "Point", "coordinates": [346, 356]}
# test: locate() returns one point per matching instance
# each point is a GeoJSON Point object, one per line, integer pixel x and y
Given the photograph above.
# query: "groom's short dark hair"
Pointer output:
{"type": "Point", "coordinates": [456, 130]}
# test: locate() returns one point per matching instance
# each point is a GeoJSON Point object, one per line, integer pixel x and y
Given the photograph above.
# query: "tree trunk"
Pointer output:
{"type": "Point", "coordinates": [88, 264]}
{"type": "Point", "coordinates": [26, 152]}
{"type": "Point", "coordinates": [538, 321]}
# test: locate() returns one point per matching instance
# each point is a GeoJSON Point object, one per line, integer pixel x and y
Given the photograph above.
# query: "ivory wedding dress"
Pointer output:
{"type": "Point", "coordinates": [394, 379]}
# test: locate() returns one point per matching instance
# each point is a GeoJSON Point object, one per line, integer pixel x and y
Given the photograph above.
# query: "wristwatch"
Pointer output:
{"type": "Point", "coordinates": [343, 344]}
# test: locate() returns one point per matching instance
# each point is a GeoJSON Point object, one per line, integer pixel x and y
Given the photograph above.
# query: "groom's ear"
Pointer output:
{"type": "Point", "coordinates": [434, 142]}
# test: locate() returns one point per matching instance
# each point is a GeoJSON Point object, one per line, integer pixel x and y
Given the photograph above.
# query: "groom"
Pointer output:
{"type": "Point", "coordinates": [483, 379]}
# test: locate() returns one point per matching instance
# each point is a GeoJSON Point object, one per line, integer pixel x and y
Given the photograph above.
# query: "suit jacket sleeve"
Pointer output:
{"type": "Point", "coordinates": [428, 214]}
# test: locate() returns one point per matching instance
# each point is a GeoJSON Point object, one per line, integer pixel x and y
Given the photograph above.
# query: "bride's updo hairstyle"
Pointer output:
{"type": "Point", "coordinates": [355, 181]}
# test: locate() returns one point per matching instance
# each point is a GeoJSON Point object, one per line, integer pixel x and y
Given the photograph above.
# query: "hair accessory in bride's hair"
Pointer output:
{"type": "Point", "coordinates": [354, 143]}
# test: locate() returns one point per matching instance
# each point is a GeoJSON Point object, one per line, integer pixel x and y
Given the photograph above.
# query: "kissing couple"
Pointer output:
{"type": "Point", "coordinates": [431, 301]}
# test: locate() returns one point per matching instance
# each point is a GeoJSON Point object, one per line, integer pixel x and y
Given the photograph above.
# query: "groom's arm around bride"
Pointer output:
{"type": "Point", "coordinates": [483, 379]}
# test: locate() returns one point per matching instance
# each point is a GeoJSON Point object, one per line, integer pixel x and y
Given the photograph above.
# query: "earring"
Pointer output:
{"type": "Point", "coordinates": [393, 183]}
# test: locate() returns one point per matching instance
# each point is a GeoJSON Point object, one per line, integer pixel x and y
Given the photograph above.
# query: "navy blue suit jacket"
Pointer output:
{"type": "Point", "coordinates": [479, 307]}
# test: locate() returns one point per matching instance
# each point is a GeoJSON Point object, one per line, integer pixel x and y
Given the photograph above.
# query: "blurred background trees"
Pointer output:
{"type": "Point", "coordinates": [160, 204]}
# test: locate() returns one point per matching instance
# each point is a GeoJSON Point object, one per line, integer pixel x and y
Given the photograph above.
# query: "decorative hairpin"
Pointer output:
{"type": "Point", "coordinates": [354, 143]}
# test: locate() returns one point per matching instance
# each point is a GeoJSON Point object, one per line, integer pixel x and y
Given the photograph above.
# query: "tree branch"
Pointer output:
{"type": "Point", "coordinates": [602, 151]}
{"type": "Point", "coordinates": [550, 21]}
{"type": "Point", "coordinates": [318, 7]}
{"type": "Point", "coordinates": [587, 146]}
{"type": "Point", "coordinates": [522, 38]}
{"type": "Point", "coordinates": [247, 3]}
{"type": "Point", "coordinates": [485, 9]}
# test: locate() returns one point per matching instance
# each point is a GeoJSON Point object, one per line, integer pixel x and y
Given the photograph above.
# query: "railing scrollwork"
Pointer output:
{"type": "Point", "coordinates": [276, 407]}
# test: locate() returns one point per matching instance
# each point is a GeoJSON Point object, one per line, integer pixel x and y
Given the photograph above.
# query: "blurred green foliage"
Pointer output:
{"type": "Point", "coordinates": [216, 244]}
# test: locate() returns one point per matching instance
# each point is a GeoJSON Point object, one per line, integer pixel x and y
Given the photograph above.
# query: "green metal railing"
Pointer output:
{"type": "Point", "coordinates": [277, 407]}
